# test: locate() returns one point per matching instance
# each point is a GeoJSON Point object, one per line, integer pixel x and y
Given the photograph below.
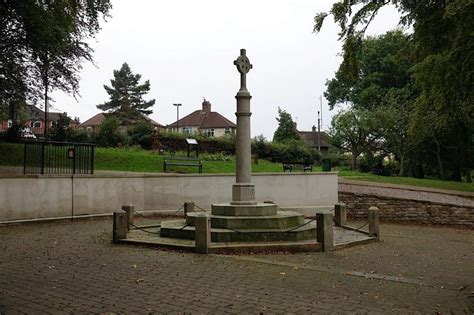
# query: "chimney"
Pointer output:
{"type": "Point", "coordinates": [206, 106]}
{"type": "Point", "coordinates": [294, 126]}
{"type": "Point", "coordinates": [314, 128]}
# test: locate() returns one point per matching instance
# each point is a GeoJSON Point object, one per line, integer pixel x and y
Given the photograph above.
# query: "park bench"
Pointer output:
{"type": "Point", "coordinates": [377, 171]}
{"type": "Point", "coordinates": [293, 166]}
{"type": "Point", "coordinates": [182, 161]}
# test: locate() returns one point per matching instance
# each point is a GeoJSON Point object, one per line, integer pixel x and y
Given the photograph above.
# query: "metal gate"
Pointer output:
{"type": "Point", "coordinates": [50, 157]}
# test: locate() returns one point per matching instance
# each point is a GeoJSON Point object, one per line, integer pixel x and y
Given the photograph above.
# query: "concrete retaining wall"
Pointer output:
{"type": "Point", "coordinates": [47, 196]}
{"type": "Point", "coordinates": [403, 210]}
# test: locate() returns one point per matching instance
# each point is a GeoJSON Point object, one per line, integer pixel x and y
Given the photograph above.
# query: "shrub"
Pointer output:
{"type": "Point", "coordinates": [288, 151]}
{"type": "Point", "coordinates": [177, 142]}
{"type": "Point", "coordinates": [110, 134]}
{"type": "Point", "coordinates": [140, 134]}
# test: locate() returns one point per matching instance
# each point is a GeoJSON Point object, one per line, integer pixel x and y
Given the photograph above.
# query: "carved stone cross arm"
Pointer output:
{"type": "Point", "coordinates": [243, 66]}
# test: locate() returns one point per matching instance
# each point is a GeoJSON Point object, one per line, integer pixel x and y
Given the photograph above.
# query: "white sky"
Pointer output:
{"type": "Point", "coordinates": [186, 49]}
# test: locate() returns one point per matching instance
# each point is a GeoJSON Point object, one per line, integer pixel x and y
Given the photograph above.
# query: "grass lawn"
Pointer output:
{"type": "Point", "coordinates": [135, 160]}
{"type": "Point", "coordinates": [426, 182]}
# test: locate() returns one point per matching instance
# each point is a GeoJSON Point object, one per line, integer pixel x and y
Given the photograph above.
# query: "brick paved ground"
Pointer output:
{"type": "Point", "coordinates": [73, 267]}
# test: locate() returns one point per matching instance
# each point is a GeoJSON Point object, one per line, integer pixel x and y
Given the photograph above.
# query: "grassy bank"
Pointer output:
{"type": "Point", "coordinates": [135, 160]}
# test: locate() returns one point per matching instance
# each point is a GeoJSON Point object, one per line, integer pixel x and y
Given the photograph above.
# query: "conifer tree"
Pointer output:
{"type": "Point", "coordinates": [286, 127]}
{"type": "Point", "coordinates": [126, 94]}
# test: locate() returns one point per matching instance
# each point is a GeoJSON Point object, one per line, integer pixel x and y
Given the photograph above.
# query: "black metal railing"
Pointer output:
{"type": "Point", "coordinates": [50, 157]}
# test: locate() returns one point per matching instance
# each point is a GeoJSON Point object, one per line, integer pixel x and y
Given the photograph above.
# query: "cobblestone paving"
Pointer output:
{"type": "Point", "coordinates": [73, 267]}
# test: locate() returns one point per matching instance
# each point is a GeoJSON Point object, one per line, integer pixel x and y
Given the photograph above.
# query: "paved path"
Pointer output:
{"type": "Point", "coordinates": [73, 267]}
{"type": "Point", "coordinates": [407, 192]}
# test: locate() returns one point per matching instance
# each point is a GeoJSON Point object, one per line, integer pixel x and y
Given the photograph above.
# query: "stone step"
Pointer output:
{"type": "Point", "coordinates": [281, 220]}
{"type": "Point", "coordinates": [179, 229]}
{"type": "Point", "coordinates": [259, 209]}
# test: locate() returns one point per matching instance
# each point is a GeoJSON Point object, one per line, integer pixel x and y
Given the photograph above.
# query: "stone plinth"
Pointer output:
{"type": "Point", "coordinates": [259, 209]}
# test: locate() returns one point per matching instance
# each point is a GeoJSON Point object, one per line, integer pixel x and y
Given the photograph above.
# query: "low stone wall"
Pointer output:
{"type": "Point", "coordinates": [52, 196]}
{"type": "Point", "coordinates": [403, 210]}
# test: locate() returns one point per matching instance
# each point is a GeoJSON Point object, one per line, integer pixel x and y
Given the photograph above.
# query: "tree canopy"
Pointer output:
{"type": "Point", "coordinates": [43, 44]}
{"type": "Point", "coordinates": [126, 94]}
{"type": "Point", "coordinates": [440, 76]}
{"type": "Point", "coordinates": [355, 130]}
{"type": "Point", "coordinates": [286, 127]}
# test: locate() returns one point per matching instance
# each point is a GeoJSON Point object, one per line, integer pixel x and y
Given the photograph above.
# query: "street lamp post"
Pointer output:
{"type": "Point", "coordinates": [177, 116]}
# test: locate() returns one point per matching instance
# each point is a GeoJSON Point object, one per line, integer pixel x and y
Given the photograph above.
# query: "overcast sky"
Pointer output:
{"type": "Point", "coordinates": [186, 49]}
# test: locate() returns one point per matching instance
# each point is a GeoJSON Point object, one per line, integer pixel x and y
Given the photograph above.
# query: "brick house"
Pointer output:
{"type": "Point", "coordinates": [32, 117]}
{"type": "Point", "coordinates": [312, 139]}
{"type": "Point", "coordinates": [93, 124]}
{"type": "Point", "coordinates": [204, 120]}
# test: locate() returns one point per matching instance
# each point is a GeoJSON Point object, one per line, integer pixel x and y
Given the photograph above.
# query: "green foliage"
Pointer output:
{"type": "Point", "coordinates": [286, 127]}
{"type": "Point", "coordinates": [428, 83]}
{"type": "Point", "coordinates": [356, 131]}
{"type": "Point", "coordinates": [140, 134]}
{"type": "Point", "coordinates": [126, 94]}
{"type": "Point", "coordinates": [44, 44]}
{"type": "Point", "coordinates": [384, 63]}
{"type": "Point", "coordinates": [60, 130]}
{"type": "Point", "coordinates": [173, 142]}
{"type": "Point", "coordinates": [13, 133]}
{"type": "Point", "coordinates": [283, 152]}
{"type": "Point", "coordinates": [110, 134]}
{"type": "Point", "coordinates": [338, 158]}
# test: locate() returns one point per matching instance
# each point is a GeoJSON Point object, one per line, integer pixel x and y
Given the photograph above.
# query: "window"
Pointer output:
{"type": "Point", "coordinates": [37, 124]}
{"type": "Point", "coordinates": [10, 123]}
{"type": "Point", "coordinates": [209, 132]}
{"type": "Point", "coordinates": [227, 131]}
{"type": "Point", "coordinates": [187, 130]}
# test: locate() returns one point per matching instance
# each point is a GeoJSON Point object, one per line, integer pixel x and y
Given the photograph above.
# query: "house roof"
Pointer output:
{"type": "Point", "coordinates": [97, 120]}
{"type": "Point", "coordinates": [93, 121]}
{"type": "Point", "coordinates": [204, 118]}
{"type": "Point", "coordinates": [311, 138]}
{"type": "Point", "coordinates": [34, 113]}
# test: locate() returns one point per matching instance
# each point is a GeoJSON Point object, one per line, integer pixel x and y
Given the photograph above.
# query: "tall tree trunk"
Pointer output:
{"type": "Point", "coordinates": [12, 111]}
{"type": "Point", "coordinates": [354, 160]}
{"type": "Point", "coordinates": [468, 175]}
{"type": "Point", "coordinates": [402, 165]}
{"type": "Point", "coordinates": [438, 157]}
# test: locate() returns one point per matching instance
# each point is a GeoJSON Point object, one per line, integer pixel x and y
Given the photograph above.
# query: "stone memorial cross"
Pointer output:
{"type": "Point", "coordinates": [243, 191]}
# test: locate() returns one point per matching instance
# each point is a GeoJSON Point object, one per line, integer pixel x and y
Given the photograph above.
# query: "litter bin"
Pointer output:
{"type": "Point", "coordinates": [326, 165]}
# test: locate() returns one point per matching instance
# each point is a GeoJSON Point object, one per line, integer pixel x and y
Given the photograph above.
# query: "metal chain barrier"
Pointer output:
{"type": "Point", "coordinates": [297, 227]}
{"type": "Point", "coordinates": [202, 210]}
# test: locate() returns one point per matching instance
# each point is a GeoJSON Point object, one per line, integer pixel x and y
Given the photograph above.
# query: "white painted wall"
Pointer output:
{"type": "Point", "coordinates": [46, 196]}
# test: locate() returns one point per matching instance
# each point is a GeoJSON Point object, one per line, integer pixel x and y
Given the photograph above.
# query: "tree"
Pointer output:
{"type": "Point", "coordinates": [286, 127]}
{"type": "Point", "coordinates": [383, 82]}
{"type": "Point", "coordinates": [110, 134]}
{"type": "Point", "coordinates": [61, 130]}
{"type": "Point", "coordinates": [443, 71]}
{"type": "Point", "coordinates": [356, 131]}
{"type": "Point", "coordinates": [126, 95]}
{"type": "Point", "coordinates": [384, 66]}
{"type": "Point", "coordinates": [44, 45]}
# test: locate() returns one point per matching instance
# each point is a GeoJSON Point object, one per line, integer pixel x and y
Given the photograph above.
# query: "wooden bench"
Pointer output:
{"type": "Point", "coordinates": [182, 161]}
{"type": "Point", "coordinates": [377, 171]}
{"type": "Point", "coordinates": [291, 166]}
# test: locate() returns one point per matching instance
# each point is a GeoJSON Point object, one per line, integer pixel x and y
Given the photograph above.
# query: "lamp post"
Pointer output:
{"type": "Point", "coordinates": [177, 116]}
{"type": "Point", "coordinates": [319, 133]}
